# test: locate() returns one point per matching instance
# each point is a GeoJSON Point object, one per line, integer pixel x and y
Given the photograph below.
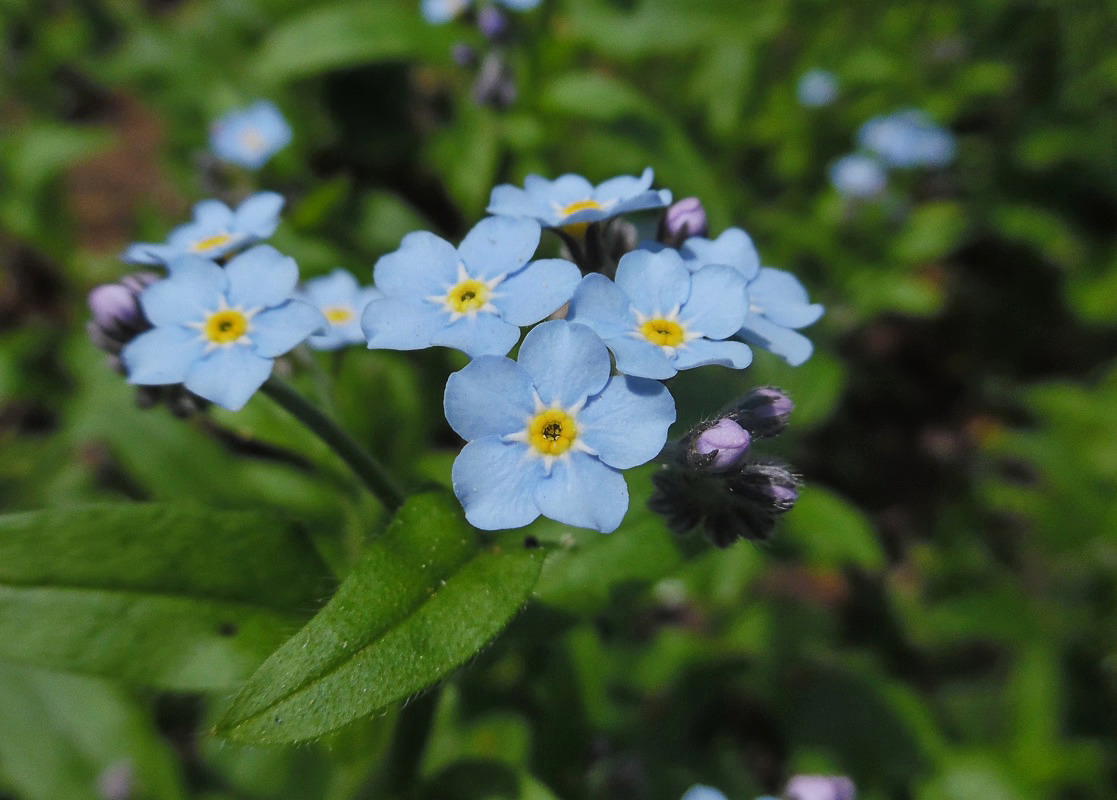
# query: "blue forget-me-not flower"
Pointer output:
{"type": "Point", "coordinates": [215, 231]}
{"type": "Point", "coordinates": [571, 200]}
{"type": "Point", "coordinates": [439, 11]}
{"type": "Point", "coordinates": [858, 175]}
{"type": "Point", "coordinates": [816, 88]}
{"type": "Point", "coordinates": [550, 433]}
{"type": "Point", "coordinates": [341, 299]}
{"type": "Point", "coordinates": [907, 139]}
{"type": "Point", "coordinates": [700, 792]}
{"type": "Point", "coordinates": [473, 297]}
{"type": "Point", "coordinates": [250, 136]}
{"type": "Point", "coordinates": [219, 329]}
{"type": "Point", "coordinates": [658, 318]}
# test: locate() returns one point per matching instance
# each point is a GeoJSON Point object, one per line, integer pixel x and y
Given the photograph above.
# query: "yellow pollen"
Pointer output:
{"type": "Point", "coordinates": [338, 315]}
{"type": "Point", "coordinates": [224, 327]}
{"type": "Point", "coordinates": [663, 332]}
{"type": "Point", "coordinates": [469, 295]}
{"type": "Point", "coordinates": [579, 228]}
{"type": "Point", "coordinates": [211, 242]}
{"type": "Point", "coordinates": [552, 432]}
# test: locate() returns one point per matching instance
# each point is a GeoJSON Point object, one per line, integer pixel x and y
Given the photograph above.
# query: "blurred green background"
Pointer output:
{"type": "Point", "coordinates": [937, 618]}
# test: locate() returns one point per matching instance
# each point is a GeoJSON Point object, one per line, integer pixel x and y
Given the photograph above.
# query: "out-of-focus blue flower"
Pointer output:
{"type": "Point", "coordinates": [218, 330]}
{"type": "Point", "coordinates": [473, 297]}
{"type": "Point", "coordinates": [700, 792]}
{"type": "Point", "coordinates": [216, 231]}
{"type": "Point", "coordinates": [858, 175]}
{"type": "Point", "coordinates": [817, 88]}
{"type": "Point", "coordinates": [659, 318]}
{"type": "Point", "coordinates": [439, 11]}
{"type": "Point", "coordinates": [778, 305]}
{"type": "Point", "coordinates": [550, 433]}
{"type": "Point", "coordinates": [342, 300]}
{"type": "Point", "coordinates": [820, 787]}
{"type": "Point", "coordinates": [907, 139]}
{"type": "Point", "coordinates": [572, 200]}
{"type": "Point", "coordinates": [250, 136]}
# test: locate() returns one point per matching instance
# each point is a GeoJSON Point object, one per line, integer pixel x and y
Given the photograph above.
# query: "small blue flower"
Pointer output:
{"type": "Point", "coordinates": [550, 433]}
{"type": "Point", "coordinates": [658, 318]}
{"type": "Point", "coordinates": [439, 11]}
{"type": "Point", "coordinates": [215, 232]}
{"type": "Point", "coordinates": [907, 139]}
{"type": "Point", "coordinates": [218, 330]}
{"type": "Point", "coordinates": [817, 88]}
{"type": "Point", "coordinates": [778, 305]}
{"type": "Point", "coordinates": [572, 200]}
{"type": "Point", "coordinates": [250, 136]}
{"type": "Point", "coordinates": [472, 298]}
{"type": "Point", "coordinates": [342, 300]}
{"type": "Point", "coordinates": [700, 792]}
{"type": "Point", "coordinates": [858, 175]}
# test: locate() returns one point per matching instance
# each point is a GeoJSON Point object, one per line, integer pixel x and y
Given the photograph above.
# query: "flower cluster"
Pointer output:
{"type": "Point", "coordinates": [900, 140]}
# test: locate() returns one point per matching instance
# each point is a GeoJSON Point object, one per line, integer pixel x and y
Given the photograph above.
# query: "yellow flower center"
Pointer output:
{"type": "Point", "coordinates": [578, 228]}
{"type": "Point", "coordinates": [552, 432]}
{"type": "Point", "coordinates": [210, 242]}
{"type": "Point", "coordinates": [338, 315]}
{"type": "Point", "coordinates": [663, 332]}
{"type": "Point", "coordinates": [252, 140]}
{"type": "Point", "coordinates": [469, 295]}
{"type": "Point", "coordinates": [225, 327]}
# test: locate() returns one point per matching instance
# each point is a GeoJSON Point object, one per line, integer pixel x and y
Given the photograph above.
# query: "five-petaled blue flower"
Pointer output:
{"type": "Point", "coordinates": [341, 299]}
{"type": "Point", "coordinates": [216, 230]}
{"type": "Point", "coordinates": [472, 298]}
{"type": "Point", "coordinates": [250, 136]}
{"type": "Point", "coordinates": [907, 139]}
{"type": "Point", "coordinates": [658, 318]}
{"type": "Point", "coordinates": [550, 433]}
{"type": "Point", "coordinates": [858, 175]}
{"type": "Point", "coordinates": [439, 11]}
{"type": "Point", "coordinates": [571, 200]}
{"type": "Point", "coordinates": [218, 330]}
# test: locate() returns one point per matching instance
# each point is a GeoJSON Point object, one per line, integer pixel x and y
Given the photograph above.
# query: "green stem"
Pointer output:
{"type": "Point", "coordinates": [367, 468]}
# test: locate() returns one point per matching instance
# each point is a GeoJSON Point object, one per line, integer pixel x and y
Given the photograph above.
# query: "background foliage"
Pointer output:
{"type": "Point", "coordinates": [937, 617]}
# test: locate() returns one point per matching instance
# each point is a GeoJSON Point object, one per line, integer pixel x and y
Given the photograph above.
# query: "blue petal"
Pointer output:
{"type": "Point", "coordinates": [567, 362]}
{"type": "Point", "coordinates": [498, 246]}
{"type": "Point", "coordinates": [718, 302]}
{"type": "Point", "coordinates": [439, 11]}
{"type": "Point", "coordinates": [196, 287]}
{"type": "Point", "coordinates": [212, 215]}
{"type": "Point", "coordinates": [512, 201]}
{"type": "Point", "coordinates": [537, 290]}
{"type": "Point", "coordinates": [519, 5]}
{"type": "Point", "coordinates": [654, 282]}
{"type": "Point", "coordinates": [491, 396]}
{"type": "Point", "coordinates": [643, 201]}
{"type": "Point", "coordinates": [228, 376]}
{"type": "Point", "coordinates": [562, 191]}
{"type": "Point", "coordinates": [601, 304]}
{"type": "Point", "coordinates": [638, 356]}
{"type": "Point", "coordinates": [623, 187]}
{"type": "Point", "coordinates": [259, 214]}
{"type": "Point", "coordinates": [700, 352]}
{"type": "Point", "coordinates": [734, 247]}
{"type": "Point", "coordinates": [584, 492]}
{"type": "Point", "coordinates": [149, 253]}
{"type": "Point", "coordinates": [401, 323]}
{"type": "Point", "coordinates": [483, 334]}
{"type": "Point", "coordinates": [627, 423]}
{"type": "Point", "coordinates": [161, 355]}
{"type": "Point", "coordinates": [424, 265]}
{"type": "Point", "coordinates": [494, 481]}
{"type": "Point", "coordinates": [792, 346]}
{"type": "Point", "coordinates": [780, 297]}
{"type": "Point", "coordinates": [276, 330]}
{"type": "Point", "coordinates": [261, 276]}
{"type": "Point", "coordinates": [700, 792]}
{"type": "Point", "coordinates": [336, 289]}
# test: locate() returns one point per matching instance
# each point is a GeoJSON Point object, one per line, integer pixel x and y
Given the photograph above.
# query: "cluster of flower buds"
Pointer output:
{"type": "Point", "coordinates": [714, 482]}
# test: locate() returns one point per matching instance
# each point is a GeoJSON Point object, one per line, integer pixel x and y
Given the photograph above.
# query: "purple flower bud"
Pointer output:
{"type": "Point", "coordinates": [491, 22]}
{"type": "Point", "coordinates": [763, 411]}
{"type": "Point", "coordinates": [114, 306]}
{"type": "Point", "coordinates": [820, 787]}
{"type": "Point", "coordinates": [464, 55]}
{"type": "Point", "coordinates": [683, 219]}
{"type": "Point", "coordinates": [726, 441]}
{"type": "Point", "coordinates": [783, 497]}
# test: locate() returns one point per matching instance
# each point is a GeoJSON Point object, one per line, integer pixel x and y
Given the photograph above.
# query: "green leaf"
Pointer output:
{"type": "Point", "coordinates": [171, 597]}
{"type": "Point", "coordinates": [423, 599]}
{"type": "Point", "coordinates": [832, 532]}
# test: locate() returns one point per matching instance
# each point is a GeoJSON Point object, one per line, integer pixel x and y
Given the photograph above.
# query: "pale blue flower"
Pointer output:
{"type": "Point", "coordinates": [250, 136]}
{"type": "Point", "coordinates": [907, 139]}
{"type": "Point", "coordinates": [572, 200]}
{"type": "Point", "coordinates": [215, 231]}
{"type": "Point", "coordinates": [473, 297]}
{"type": "Point", "coordinates": [700, 792]}
{"type": "Point", "coordinates": [439, 11]}
{"type": "Point", "coordinates": [658, 318]}
{"type": "Point", "coordinates": [218, 329]}
{"type": "Point", "coordinates": [816, 88]}
{"type": "Point", "coordinates": [342, 300]}
{"type": "Point", "coordinates": [778, 305]}
{"type": "Point", "coordinates": [550, 433]}
{"type": "Point", "coordinates": [858, 175]}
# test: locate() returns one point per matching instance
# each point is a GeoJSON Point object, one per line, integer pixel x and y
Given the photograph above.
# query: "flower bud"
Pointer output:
{"type": "Point", "coordinates": [117, 316]}
{"type": "Point", "coordinates": [763, 412]}
{"type": "Point", "coordinates": [491, 22]}
{"type": "Point", "coordinates": [820, 787]}
{"type": "Point", "coordinates": [683, 219]}
{"type": "Point", "coordinates": [771, 485]}
{"type": "Point", "coordinates": [723, 444]}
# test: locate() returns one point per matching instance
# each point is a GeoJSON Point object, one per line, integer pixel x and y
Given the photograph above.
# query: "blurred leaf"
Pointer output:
{"type": "Point", "coordinates": [423, 599]}
{"type": "Point", "coordinates": [171, 597]}
{"type": "Point", "coordinates": [831, 531]}
{"type": "Point", "coordinates": [931, 232]}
